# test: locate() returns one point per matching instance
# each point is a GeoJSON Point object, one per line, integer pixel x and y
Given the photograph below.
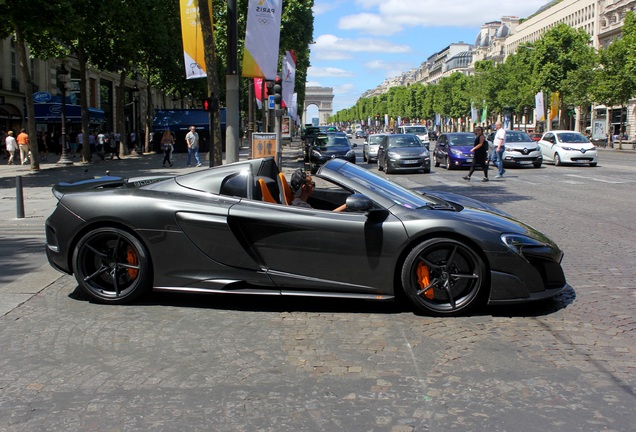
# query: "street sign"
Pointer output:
{"type": "Point", "coordinates": [263, 145]}
{"type": "Point", "coordinates": [270, 102]}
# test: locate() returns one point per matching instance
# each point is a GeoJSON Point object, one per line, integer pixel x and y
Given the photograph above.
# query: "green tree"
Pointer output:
{"type": "Point", "coordinates": [558, 56]}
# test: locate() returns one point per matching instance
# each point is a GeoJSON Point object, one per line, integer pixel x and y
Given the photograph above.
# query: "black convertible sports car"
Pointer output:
{"type": "Point", "coordinates": [229, 229]}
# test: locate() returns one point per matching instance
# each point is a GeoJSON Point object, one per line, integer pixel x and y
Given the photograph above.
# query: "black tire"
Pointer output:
{"type": "Point", "coordinates": [436, 162]}
{"type": "Point", "coordinates": [380, 165]}
{"type": "Point", "coordinates": [537, 164]}
{"type": "Point", "coordinates": [387, 169]}
{"type": "Point", "coordinates": [112, 266]}
{"type": "Point", "coordinates": [557, 160]}
{"type": "Point", "coordinates": [593, 164]}
{"type": "Point", "coordinates": [443, 277]}
{"type": "Point", "coordinates": [364, 157]}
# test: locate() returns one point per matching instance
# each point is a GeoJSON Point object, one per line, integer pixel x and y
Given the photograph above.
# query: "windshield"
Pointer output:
{"type": "Point", "coordinates": [415, 129]}
{"type": "Point", "coordinates": [403, 141]}
{"type": "Point", "coordinates": [377, 139]}
{"type": "Point", "coordinates": [461, 140]}
{"type": "Point", "coordinates": [512, 137]}
{"type": "Point", "coordinates": [332, 141]}
{"type": "Point", "coordinates": [573, 137]}
{"type": "Point", "coordinates": [396, 193]}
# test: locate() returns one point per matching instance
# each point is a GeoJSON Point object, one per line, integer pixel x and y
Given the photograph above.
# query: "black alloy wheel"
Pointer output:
{"type": "Point", "coordinates": [112, 266]}
{"type": "Point", "coordinates": [443, 277]}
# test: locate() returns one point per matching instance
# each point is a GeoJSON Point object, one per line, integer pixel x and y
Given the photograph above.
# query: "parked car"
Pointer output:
{"type": "Point", "coordinates": [228, 230]}
{"type": "Point", "coordinates": [568, 147]}
{"type": "Point", "coordinates": [535, 136]}
{"type": "Point", "coordinates": [453, 150]}
{"type": "Point", "coordinates": [432, 135]}
{"type": "Point", "coordinates": [330, 146]}
{"type": "Point", "coordinates": [349, 133]}
{"type": "Point", "coordinates": [520, 149]}
{"type": "Point", "coordinates": [403, 152]}
{"type": "Point", "coordinates": [371, 146]}
{"type": "Point", "coordinates": [419, 130]}
{"type": "Point", "coordinates": [360, 133]}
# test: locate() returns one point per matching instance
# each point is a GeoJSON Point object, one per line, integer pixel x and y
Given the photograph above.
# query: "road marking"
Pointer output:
{"type": "Point", "coordinates": [595, 179]}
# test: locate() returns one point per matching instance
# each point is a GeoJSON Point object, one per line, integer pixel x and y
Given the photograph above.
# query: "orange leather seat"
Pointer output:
{"type": "Point", "coordinates": [287, 196]}
{"type": "Point", "coordinates": [265, 193]}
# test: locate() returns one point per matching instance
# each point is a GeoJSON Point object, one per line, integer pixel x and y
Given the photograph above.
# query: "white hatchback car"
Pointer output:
{"type": "Point", "coordinates": [567, 147]}
{"type": "Point", "coordinates": [371, 146]}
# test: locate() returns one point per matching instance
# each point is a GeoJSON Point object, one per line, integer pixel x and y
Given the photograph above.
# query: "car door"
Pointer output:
{"type": "Point", "coordinates": [547, 144]}
{"type": "Point", "coordinates": [440, 148]}
{"type": "Point", "coordinates": [382, 151]}
{"type": "Point", "coordinates": [304, 249]}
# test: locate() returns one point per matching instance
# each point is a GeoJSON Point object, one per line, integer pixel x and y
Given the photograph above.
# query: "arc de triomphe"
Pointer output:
{"type": "Point", "coordinates": [322, 97]}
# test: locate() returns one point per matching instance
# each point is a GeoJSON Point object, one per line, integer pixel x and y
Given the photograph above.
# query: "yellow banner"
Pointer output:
{"type": "Point", "coordinates": [193, 54]}
{"type": "Point", "coordinates": [554, 106]}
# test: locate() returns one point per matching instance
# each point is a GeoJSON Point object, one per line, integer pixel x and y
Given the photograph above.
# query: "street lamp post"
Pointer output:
{"type": "Point", "coordinates": [62, 80]}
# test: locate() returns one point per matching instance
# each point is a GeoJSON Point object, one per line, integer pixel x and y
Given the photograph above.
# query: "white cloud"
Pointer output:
{"type": "Point", "coordinates": [329, 43]}
{"type": "Point", "coordinates": [393, 16]}
{"type": "Point", "coordinates": [328, 72]}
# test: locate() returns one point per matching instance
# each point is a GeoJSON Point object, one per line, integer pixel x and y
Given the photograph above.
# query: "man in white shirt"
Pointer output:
{"type": "Point", "coordinates": [500, 146]}
{"type": "Point", "coordinates": [192, 140]}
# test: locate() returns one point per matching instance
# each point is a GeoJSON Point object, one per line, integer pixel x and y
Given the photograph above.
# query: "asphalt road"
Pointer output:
{"type": "Point", "coordinates": [222, 363]}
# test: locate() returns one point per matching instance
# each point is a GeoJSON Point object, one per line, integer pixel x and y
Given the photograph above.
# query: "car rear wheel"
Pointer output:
{"type": "Point", "coordinates": [443, 277]}
{"type": "Point", "coordinates": [112, 266]}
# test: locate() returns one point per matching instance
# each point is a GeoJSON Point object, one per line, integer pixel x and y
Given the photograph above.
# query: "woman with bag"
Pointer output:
{"type": "Point", "coordinates": [167, 143]}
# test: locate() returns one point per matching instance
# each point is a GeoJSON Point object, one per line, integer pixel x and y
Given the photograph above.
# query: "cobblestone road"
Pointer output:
{"type": "Point", "coordinates": [222, 363]}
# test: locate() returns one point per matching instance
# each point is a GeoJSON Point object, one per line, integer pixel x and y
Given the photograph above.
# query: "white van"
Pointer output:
{"type": "Point", "coordinates": [420, 130]}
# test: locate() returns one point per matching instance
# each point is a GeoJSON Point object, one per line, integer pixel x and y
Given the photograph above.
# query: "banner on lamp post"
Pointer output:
{"type": "Point", "coordinates": [539, 110]}
{"type": "Point", "coordinates": [262, 37]}
{"type": "Point", "coordinates": [193, 54]}
{"type": "Point", "coordinates": [289, 78]}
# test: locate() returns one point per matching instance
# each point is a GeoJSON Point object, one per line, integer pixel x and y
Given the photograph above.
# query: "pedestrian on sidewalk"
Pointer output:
{"type": "Point", "coordinates": [23, 144]}
{"type": "Point", "coordinates": [480, 154]}
{"type": "Point", "coordinates": [167, 144]}
{"type": "Point", "coordinates": [12, 146]}
{"type": "Point", "coordinates": [192, 140]}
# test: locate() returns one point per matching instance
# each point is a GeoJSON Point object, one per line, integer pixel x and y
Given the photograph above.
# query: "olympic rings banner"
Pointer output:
{"type": "Point", "coordinates": [262, 36]}
{"type": "Point", "coordinates": [192, 38]}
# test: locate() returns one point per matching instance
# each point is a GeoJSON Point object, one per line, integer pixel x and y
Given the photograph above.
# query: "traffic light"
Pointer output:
{"type": "Point", "coordinates": [207, 104]}
{"type": "Point", "coordinates": [278, 90]}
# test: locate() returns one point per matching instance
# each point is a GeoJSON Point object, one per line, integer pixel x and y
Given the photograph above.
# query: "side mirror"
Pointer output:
{"type": "Point", "coordinates": [355, 145]}
{"type": "Point", "coordinates": [358, 203]}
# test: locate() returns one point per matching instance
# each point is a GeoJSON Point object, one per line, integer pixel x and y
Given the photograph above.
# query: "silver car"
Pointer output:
{"type": "Point", "coordinates": [520, 149]}
{"type": "Point", "coordinates": [370, 147]}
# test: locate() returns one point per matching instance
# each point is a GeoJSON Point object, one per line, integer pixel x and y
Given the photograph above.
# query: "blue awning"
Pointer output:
{"type": "Point", "coordinates": [51, 112]}
{"type": "Point", "coordinates": [180, 120]}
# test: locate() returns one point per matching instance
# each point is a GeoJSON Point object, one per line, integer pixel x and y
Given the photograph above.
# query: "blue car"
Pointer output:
{"type": "Point", "coordinates": [453, 150]}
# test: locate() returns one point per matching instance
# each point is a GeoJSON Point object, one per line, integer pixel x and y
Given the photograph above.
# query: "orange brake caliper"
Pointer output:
{"type": "Point", "coordinates": [424, 280]}
{"type": "Point", "coordinates": [131, 258]}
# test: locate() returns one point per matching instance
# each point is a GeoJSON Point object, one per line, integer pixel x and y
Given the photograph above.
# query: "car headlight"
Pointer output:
{"type": "Point", "coordinates": [316, 153]}
{"type": "Point", "coordinates": [516, 242]}
{"type": "Point", "coordinates": [393, 155]}
{"type": "Point", "coordinates": [424, 153]}
{"type": "Point", "coordinates": [456, 152]}
{"type": "Point", "coordinates": [351, 153]}
{"type": "Point", "coordinates": [568, 148]}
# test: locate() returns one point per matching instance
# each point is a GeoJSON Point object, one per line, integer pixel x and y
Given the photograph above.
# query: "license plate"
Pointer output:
{"type": "Point", "coordinates": [411, 161]}
{"type": "Point", "coordinates": [525, 162]}
{"type": "Point", "coordinates": [469, 160]}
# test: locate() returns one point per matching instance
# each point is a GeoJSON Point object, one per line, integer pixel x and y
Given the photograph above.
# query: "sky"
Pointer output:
{"type": "Point", "coordinates": [361, 43]}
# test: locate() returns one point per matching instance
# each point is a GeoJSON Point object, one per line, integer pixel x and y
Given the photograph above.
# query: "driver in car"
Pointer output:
{"type": "Point", "coordinates": [303, 186]}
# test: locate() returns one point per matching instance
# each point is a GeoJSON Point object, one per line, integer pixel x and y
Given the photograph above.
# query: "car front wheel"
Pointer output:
{"type": "Point", "coordinates": [443, 277]}
{"type": "Point", "coordinates": [448, 163]}
{"type": "Point", "coordinates": [112, 266]}
{"type": "Point", "coordinates": [557, 160]}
